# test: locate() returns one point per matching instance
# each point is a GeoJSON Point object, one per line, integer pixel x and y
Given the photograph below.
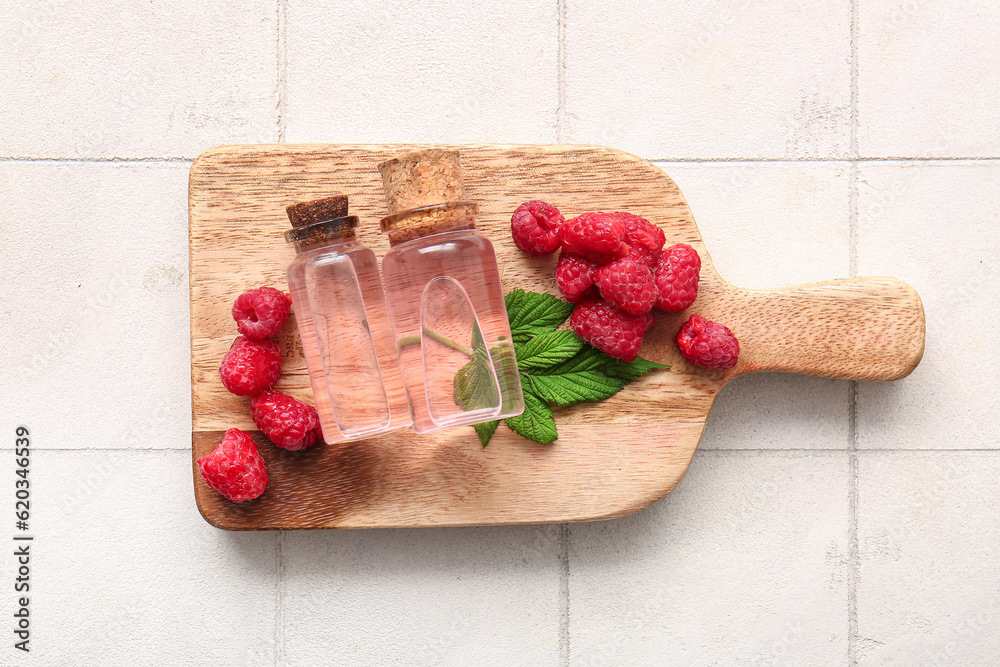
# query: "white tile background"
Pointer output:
{"type": "Point", "coordinates": [821, 523]}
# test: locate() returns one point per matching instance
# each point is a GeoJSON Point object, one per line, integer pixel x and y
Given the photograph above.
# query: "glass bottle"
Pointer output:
{"type": "Point", "coordinates": [445, 298]}
{"type": "Point", "coordinates": [343, 323]}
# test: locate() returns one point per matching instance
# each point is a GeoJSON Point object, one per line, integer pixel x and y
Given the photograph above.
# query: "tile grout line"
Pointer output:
{"type": "Point", "coordinates": [852, 407]}
{"type": "Point", "coordinates": [774, 450]}
{"type": "Point", "coordinates": [564, 595]}
{"type": "Point", "coordinates": [854, 152]}
{"type": "Point", "coordinates": [853, 549]}
{"type": "Point", "coordinates": [279, 602]}
{"type": "Point", "coordinates": [561, 71]}
{"type": "Point", "coordinates": [280, 91]}
{"type": "Point", "coordinates": [84, 160]}
{"type": "Point", "coordinates": [827, 160]}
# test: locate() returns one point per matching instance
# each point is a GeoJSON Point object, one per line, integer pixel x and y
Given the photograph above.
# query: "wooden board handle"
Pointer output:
{"type": "Point", "coordinates": [854, 329]}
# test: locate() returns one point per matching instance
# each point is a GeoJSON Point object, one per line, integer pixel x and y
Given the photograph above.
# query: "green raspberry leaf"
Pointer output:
{"type": "Point", "coordinates": [532, 313]}
{"type": "Point", "coordinates": [547, 349]}
{"type": "Point", "coordinates": [588, 359]}
{"type": "Point", "coordinates": [632, 370]}
{"type": "Point", "coordinates": [475, 385]}
{"type": "Point", "coordinates": [536, 422]}
{"type": "Point", "coordinates": [572, 388]}
{"type": "Point", "coordinates": [556, 368]}
{"type": "Point", "coordinates": [485, 431]}
{"type": "Point", "coordinates": [590, 375]}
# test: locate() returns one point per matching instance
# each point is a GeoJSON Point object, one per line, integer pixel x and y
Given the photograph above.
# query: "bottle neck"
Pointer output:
{"type": "Point", "coordinates": [320, 243]}
{"type": "Point", "coordinates": [321, 233]}
{"type": "Point", "coordinates": [425, 221]}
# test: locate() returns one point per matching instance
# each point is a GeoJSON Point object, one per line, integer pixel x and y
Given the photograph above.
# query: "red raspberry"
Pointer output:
{"type": "Point", "coordinates": [261, 312]}
{"type": "Point", "coordinates": [644, 239]}
{"type": "Point", "coordinates": [235, 468]}
{"type": "Point", "coordinates": [589, 294]}
{"type": "Point", "coordinates": [535, 228]}
{"type": "Point", "coordinates": [290, 424]}
{"type": "Point", "coordinates": [628, 285]}
{"type": "Point", "coordinates": [608, 329]}
{"type": "Point", "coordinates": [250, 366]}
{"type": "Point", "coordinates": [574, 276]}
{"type": "Point", "coordinates": [599, 237]}
{"type": "Point", "coordinates": [708, 344]}
{"type": "Point", "coordinates": [676, 276]}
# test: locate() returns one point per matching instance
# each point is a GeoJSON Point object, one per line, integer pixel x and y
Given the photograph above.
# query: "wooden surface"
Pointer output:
{"type": "Point", "coordinates": [612, 458]}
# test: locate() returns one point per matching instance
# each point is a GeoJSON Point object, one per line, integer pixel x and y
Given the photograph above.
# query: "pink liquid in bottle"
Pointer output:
{"type": "Point", "coordinates": [445, 298]}
{"type": "Point", "coordinates": [344, 325]}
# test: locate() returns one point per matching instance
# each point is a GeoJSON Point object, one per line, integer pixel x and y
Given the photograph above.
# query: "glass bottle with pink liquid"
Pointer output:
{"type": "Point", "coordinates": [445, 298]}
{"type": "Point", "coordinates": [345, 329]}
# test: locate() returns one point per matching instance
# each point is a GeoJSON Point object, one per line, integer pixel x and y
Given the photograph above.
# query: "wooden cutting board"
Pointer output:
{"type": "Point", "coordinates": [612, 458]}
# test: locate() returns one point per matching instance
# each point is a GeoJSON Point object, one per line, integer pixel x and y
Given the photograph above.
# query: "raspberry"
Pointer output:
{"type": "Point", "coordinates": [645, 240]}
{"type": "Point", "coordinates": [261, 312]}
{"type": "Point", "coordinates": [608, 329]}
{"type": "Point", "coordinates": [235, 468]}
{"type": "Point", "coordinates": [599, 237]}
{"type": "Point", "coordinates": [676, 277]}
{"type": "Point", "coordinates": [250, 366]}
{"type": "Point", "coordinates": [535, 228]}
{"type": "Point", "coordinates": [589, 294]}
{"type": "Point", "coordinates": [574, 276]}
{"type": "Point", "coordinates": [290, 424]}
{"type": "Point", "coordinates": [708, 344]}
{"type": "Point", "coordinates": [628, 285]}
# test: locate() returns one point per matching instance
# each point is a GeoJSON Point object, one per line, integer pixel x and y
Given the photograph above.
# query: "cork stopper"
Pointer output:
{"type": "Point", "coordinates": [424, 192]}
{"type": "Point", "coordinates": [317, 210]}
{"type": "Point", "coordinates": [320, 220]}
{"type": "Point", "coordinates": [422, 178]}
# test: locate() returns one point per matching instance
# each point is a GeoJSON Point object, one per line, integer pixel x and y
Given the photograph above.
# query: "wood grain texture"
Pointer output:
{"type": "Point", "coordinates": [612, 458]}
